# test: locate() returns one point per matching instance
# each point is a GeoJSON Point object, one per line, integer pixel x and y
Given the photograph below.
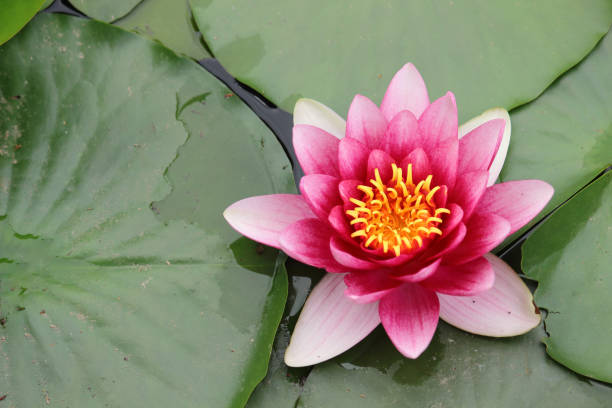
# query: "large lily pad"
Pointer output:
{"type": "Point", "coordinates": [565, 136]}
{"type": "Point", "coordinates": [101, 303]}
{"type": "Point", "coordinates": [489, 53]}
{"type": "Point", "coordinates": [570, 256]}
{"type": "Point", "coordinates": [169, 22]}
{"type": "Point", "coordinates": [457, 370]}
{"type": "Point", "coordinates": [105, 10]}
{"type": "Point", "coordinates": [14, 14]}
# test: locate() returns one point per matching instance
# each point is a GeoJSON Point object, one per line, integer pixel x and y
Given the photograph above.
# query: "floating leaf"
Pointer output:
{"type": "Point", "coordinates": [14, 14]}
{"type": "Point", "coordinates": [102, 304]}
{"type": "Point", "coordinates": [105, 10]}
{"type": "Point", "coordinates": [488, 53]}
{"type": "Point", "coordinates": [570, 256]}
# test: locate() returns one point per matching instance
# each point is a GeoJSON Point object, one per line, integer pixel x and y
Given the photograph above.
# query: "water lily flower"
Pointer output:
{"type": "Point", "coordinates": [399, 205]}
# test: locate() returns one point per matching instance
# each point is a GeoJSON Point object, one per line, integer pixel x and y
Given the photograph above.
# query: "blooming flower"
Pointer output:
{"type": "Point", "coordinates": [399, 205]}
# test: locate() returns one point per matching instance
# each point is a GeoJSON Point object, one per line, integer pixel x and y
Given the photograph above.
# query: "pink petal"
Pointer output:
{"type": "Point", "coordinates": [352, 159]}
{"type": "Point", "coordinates": [460, 280]}
{"type": "Point", "coordinates": [506, 309]}
{"type": "Point", "coordinates": [469, 189]}
{"type": "Point", "coordinates": [321, 193]}
{"type": "Point", "coordinates": [308, 242]}
{"type": "Point", "coordinates": [311, 112]}
{"type": "Point", "coordinates": [263, 218]}
{"type": "Point", "coordinates": [409, 315]}
{"type": "Point", "coordinates": [421, 274]}
{"type": "Point", "coordinates": [369, 286]}
{"type": "Point", "coordinates": [348, 189]}
{"type": "Point", "coordinates": [337, 220]}
{"type": "Point", "coordinates": [365, 122]}
{"type": "Point", "coordinates": [406, 91]}
{"type": "Point", "coordinates": [402, 135]}
{"type": "Point", "coordinates": [380, 160]}
{"type": "Point", "coordinates": [443, 161]}
{"type": "Point", "coordinates": [477, 149]}
{"type": "Point", "coordinates": [316, 150]}
{"type": "Point", "coordinates": [500, 156]}
{"type": "Point", "coordinates": [348, 255]}
{"type": "Point", "coordinates": [438, 124]}
{"type": "Point", "coordinates": [420, 165]}
{"type": "Point", "coordinates": [330, 323]}
{"type": "Point", "coordinates": [517, 201]}
{"type": "Point", "coordinates": [450, 221]}
{"type": "Point", "coordinates": [448, 242]}
{"type": "Point", "coordinates": [484, 232]}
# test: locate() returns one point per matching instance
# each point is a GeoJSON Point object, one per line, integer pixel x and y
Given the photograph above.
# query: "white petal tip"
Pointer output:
{"type": "Point", "coordinates": [310, 112]}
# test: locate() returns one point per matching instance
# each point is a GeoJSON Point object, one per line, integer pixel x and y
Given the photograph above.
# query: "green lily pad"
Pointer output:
{"type": "Point", "coordinates": [101, 302]}
{"type": "Point", "coordinates": [14, 14]}
{"type": "Point", "coordinates": [169, 22]}
{"type": "Point", "coordinates": [570, 256]}
{"type": "Point", "coordinates": [457, 370]}
{"type": "Point", "coordinates": [565, 136]}
{"type": "Point", "coordinates": [488, 53]}
{"type": "Point", "coordinates": [105, 10]}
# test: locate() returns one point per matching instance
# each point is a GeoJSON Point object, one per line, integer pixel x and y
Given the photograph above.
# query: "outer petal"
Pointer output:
{"type": "Point", "coordinates": [484, 232]}
{"type": "Point", "coordinates": [369, 286]}
{"type": "Point", "coordinates": [365, 122]}
{"type": "Point", "coordinates": [517, 201]}
{"type": "Point", "coordinates": [311, 112]}
{"type": "Point", "coordinates": [330, 323]}
{"type": "Point", "coordinates": [316, 150]}
{"type": "Point", "coordinates": [308, 242]}
{"type": "Point", "coordinates": [352, 159]}
{"type": "Point", "coordinates": [506, 309]}
{"type": "Point", "coordinates": [402, 135]}
{"type": "Point", "coordinates": [409, 315]}
{"type": "Point", "coordinates": [321, 193]}
{"type": "Point", "coordinates": [477, 149]}
{"type": "Point", "coordinates": [460, 280]}
{"type": "Point", "coordinates": [407, 91]}
{"type": "Point", "coordinates": [438, 124]}
{"type": "Point", "coordinates": [263, 218]}
{"type": "Point", "coordinates": [500, 156]}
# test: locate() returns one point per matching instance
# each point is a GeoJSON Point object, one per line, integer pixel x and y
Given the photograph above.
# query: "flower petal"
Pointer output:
{"type": "Point", "coordinates": [484, 232]}
{"type": "Point", "coordinates": [311, 112]}
{"type": "Point", "coordinates": [443, 161]}
{"type": "Point", "coordinates": [420, 165]}
{"type": "Point", "coordinates": [348, 189]}
{"type": "Point", "coordinates": [337, 220]}
{"type": "Point", "coordinates": [438, 124]}
{"type": "Point", "coordinates": [517, 201]}
{"type": "Point", "coordinates": [330, 323]}
{"type": "Point", "coordinates": [506, 309]}
{"type": "Point", "coordinates": [348, 255]}
{"type": "Point", "coordinates": [380, 160]}
{"type": "Point", "coordinates": [321, 193]}
{"type": "Point", "coordinates": [406, 91]}
{"type": "Point", "coordinates": [369, 286]}
{"type": "Point", "coordinates": [477, 149]}
{"type": "Point", "coordinates": [365, 122]}
{"type": "Point", "coordinates": [352, 159]}
{"type": "Point", "coordinates": [316, 150]}
{"type": "Point", "coordinates": [469, 189]}
{"type": "Point", "coordinates": [421, 274]}
{"type": "Point", "coordinates": [308, 242]}
{"type": "Point", "coordinates": [469, 278]}
{"type": "Point", "coordinates": [263, 218]}
{"type": "Point", "coordinates": [500, 156]}
{"type": "Point", "coordinates": [409, 315]}
{"type": "Point", "coordinates": [402, 135]}
{"type": "Point", "coordinates": [448, 242]}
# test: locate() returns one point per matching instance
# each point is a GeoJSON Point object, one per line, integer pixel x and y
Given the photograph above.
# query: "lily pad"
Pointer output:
{"type": "Point", "coordinates": [102, 303]}
{"type": "Point", "coordinates": [169, 22]}
{"type": "Point", "coordinates": [105, 10]}
{"type": "Point", "coordinates": [457, 370]}
{"type": "Point", "coordinates": [565, 136]}
{"type": "Point", "coordinates": [488, 53]}
{"type": "Point", "coordinates": [570, 255]}
{"type": "Point", "coordinates": [14, 14]}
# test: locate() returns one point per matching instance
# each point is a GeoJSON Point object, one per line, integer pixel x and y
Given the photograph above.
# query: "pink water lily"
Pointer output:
{"type": "Point", "coordinates": [399, 205]}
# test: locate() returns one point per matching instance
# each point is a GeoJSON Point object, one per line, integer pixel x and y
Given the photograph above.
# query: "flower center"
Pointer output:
{"type": "Point", "coordinates": [397, 216]}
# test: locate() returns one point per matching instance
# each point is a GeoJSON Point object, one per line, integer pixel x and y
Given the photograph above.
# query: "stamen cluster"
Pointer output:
{"type": "Point", "coordinates": [397, 216]}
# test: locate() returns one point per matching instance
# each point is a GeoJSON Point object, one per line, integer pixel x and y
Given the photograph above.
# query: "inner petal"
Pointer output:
{"type": "Point", "coordinates": [396, 215]}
